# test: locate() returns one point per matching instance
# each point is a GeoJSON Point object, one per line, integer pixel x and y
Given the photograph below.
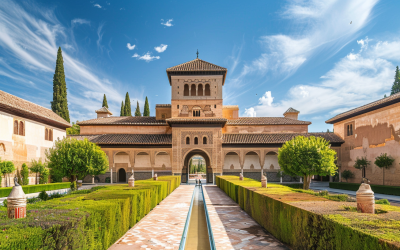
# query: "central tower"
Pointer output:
{"type": "Point", "coordinates": [196, 89]}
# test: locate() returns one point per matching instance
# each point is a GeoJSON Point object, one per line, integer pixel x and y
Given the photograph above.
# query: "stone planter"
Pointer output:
{"type": "Point", "coordinates": [264, 181]}
{"type": "Point", "coordinates": [241, 177]}
{"type": "Point", "coordinates": [155, 177]}
{"type": "Point", "coordinates": [131, 181]}
{"type": "Point", "coordinates": [16, 203]}
{"type": "Point", "coordinates": [365, 199]}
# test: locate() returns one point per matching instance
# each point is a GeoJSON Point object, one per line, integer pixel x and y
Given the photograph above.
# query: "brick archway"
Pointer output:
{"type": "Point", "coordinates": [185, 168]}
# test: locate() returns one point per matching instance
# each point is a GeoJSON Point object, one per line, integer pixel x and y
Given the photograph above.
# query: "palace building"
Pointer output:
{"type": "Point", "coordinates": [196, 123]}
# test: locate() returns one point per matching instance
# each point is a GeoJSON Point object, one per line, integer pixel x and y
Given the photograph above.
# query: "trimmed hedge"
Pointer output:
{"type": "Point", "coordinates": [4, 192]}
{"type": "Point", "coordinates": [92, 220]}
{"type": "Point", "coordinates": [379, 189]}
{"type": "Point", "coordinates": [294, 226]}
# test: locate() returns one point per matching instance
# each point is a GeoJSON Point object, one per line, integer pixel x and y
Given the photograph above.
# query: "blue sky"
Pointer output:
{"type": "Point", "coordinates": [319, 57]}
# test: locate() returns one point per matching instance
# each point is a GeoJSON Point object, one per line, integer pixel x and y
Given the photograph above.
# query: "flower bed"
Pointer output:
{"type": "Point", "coordinates": [84, 220]}
{"type": "Point", "coordinates": [4, 192]}
{"type": "Point", "coordinates": [379, 189]}
{"type": "Point", "coordinates": [306, 221]}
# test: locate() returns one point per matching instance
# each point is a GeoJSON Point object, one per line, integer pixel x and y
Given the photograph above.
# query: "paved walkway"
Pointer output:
{"type": "Point", "coordinates": [232, 227]}
{"type": "Point", "coordinates": [162, 228]}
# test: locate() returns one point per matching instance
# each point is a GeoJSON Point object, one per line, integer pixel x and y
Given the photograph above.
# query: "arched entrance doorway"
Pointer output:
{"type": "Point", "coordinates": [121, 175]}
{"type": "Point", "coordinates": [207, 162]}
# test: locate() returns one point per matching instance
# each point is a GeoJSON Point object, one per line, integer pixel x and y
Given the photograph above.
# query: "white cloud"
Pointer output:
{"type": "Point", "coordinates": [250, 112]}
{"type": "Point", "coordinates": [266, 99]}
{"type": "Point", "coordinates": [100, 34]}
{"type": "Point", "coordinates": [135, 55]}
{"type": "Point", "coordinates": [147, 57]}
{"type": "Point", "coordinates": [97, 5]}
{"type": "Point", "coordinates": [130, 47]}
{"type": "Point", "coordinates": [161, 48]}
{"type": "Point", "coordinates": [168, 23]}
{"type": "Point", "coordinates": [79, 21]}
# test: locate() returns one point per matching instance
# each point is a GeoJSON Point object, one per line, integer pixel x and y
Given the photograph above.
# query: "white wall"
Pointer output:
{"type": "Point", "coordinates": [162, 159]}
{"type": "Point", "coordinates": [251, 159]}
{"type": "Point", "coordinates": [271, 159]}
{"type": "Point", "coordinates": [231, 159]}
{"type": "Point", "coordinates": [142, 161]}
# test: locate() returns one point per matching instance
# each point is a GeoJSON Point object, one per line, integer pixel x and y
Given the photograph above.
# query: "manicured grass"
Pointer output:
{"type": "Point", "coordinates": [4, 192]}
{"type": "Point", "coordinates": [379, 189]}
{"type": "Point", "coordinates": [306, 221]}
{"type": "Point", "coordinates": [84, 220]}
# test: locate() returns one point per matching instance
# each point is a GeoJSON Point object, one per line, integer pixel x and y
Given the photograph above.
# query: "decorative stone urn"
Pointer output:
{"type": "Point", "coordinates": [365, 199]}
{"type": "Point", "coordinates": [131, 181]}
{"type": "Point", "coordinates": [263, 181]}
{"type": "Point", "coordinates": [155, 177]}
{"type": "Point", "coordinates": [241, 177]}
{"type": "Point", "coordinates": [16, 202]}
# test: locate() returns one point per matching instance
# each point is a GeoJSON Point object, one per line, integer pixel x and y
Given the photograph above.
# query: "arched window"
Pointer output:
{"type": "Point", "coordinates": [204, 140]}
{"type": "Point", "coordinates": [186, 90]}
{"type": "Point", "coordinates": [50, 135]}
{"type": "Point", "coordinates": [193, 90]}
{"type": "Point", "coordinates": [200, 90]}
{"type": "Point", "coordinates": [196, 113]}
{"type": "Point", "coordinates": [187, 140]}
{"type": "Point", "coordinates": [207, 91]}
{"type": "Point", "coordinates": [46, 134]}
{"type": "Point", "coordinates": [196, 140]}
{"type": "Point", "coordinates": [15, 127]}
{"type": "Point", "coordinates": [21, 128]}
{"type": "Point", "coordinates": [351, 129]}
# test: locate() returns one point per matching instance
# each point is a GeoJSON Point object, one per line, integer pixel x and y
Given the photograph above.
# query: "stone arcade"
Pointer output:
{"type": "Point", "coordinates": [195, 123]}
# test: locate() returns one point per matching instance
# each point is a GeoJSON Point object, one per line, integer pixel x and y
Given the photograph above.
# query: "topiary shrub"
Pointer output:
{"type": "Point", "coordinates": [43, 196]}
{"type": "Point", "coordinates": [347, 174]}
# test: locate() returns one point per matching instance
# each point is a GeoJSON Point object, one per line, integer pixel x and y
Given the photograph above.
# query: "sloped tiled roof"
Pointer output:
{"type": "Point", "coordinates": [266, 121]}
{"type": "Point", "coordinates": [291, 110]}
{"type": "Point", "coordinates": [366, 108]}
{"type": "Point", "coordinates": [20, 107]}
{"type": "Point", "coordinates": [196, 65]}
{"type": "Point", "coordinates": [137, 139]}
{"type": "Point", "coordinates": [103, 110]}
{"type": "Point", "coordinates": [221, 121]}
{"type": "Point", "coordinates": [163, 105]}
{"type": "Point", "coordinates": [124, 120]}
{"type": "Point", "coordinates": [274, 138]}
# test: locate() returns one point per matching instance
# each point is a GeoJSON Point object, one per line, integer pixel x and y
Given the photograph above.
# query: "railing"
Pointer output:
{"type": "Point", "coordinates": [186, 229]}
{"type": "Point", "coordinates": [210, 233]}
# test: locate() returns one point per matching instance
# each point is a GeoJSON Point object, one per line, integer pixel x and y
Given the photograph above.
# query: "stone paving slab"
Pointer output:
{"type": "Point", "coordinates": [232, 227]}
{"type": "Point", "coordinates": [162, 228]}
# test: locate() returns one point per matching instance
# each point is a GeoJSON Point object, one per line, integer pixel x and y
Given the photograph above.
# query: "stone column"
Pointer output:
{"type": "Point", "coordinates": [92, 179]}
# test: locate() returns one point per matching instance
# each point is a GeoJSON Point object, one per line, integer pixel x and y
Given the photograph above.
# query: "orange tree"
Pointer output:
{"type": "Point", "coordinates": [307, 156]}
{"type": "Point", "coordinates": [75, 159]}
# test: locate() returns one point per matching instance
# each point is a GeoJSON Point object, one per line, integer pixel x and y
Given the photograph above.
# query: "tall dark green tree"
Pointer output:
{"type": "Point", "coordinates": [59, 105]}
{"type": "Point", "coordinates": [146, 111]}
{"type": "Point", "coordinates": [128, 111]}
{"type": "Point", "coordinates": [105, 104]}
{"type": "Point", "coordinates": [396, 83]}
{"type": "Point", "coordinates": [137, 111]}
{"type": "Point", "coordinates": [122, 113]}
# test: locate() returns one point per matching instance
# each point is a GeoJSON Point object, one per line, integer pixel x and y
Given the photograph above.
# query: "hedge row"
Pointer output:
{"type": "Point", "coordinates": [379, 189]}
{"type": "Point", "coordinates": [84, 221]}
{"type": "Point", "coordinates": [4, 192]}
{"type": "Point", "coordinates": [294, 226]}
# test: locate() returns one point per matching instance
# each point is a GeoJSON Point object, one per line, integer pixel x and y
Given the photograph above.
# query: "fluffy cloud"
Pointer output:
{"type": "Point", "coordinates": [135, 55]}
{"type": "Point", "coordinates": [97, 5]}
{"type": "Point", "coordinates": [80, 21]}
{"type": "Point", "coordinates": [161, 48]}
{"type": "Point", "coordinates": [130, 47]}
{"type": "Point", "coordinates": [146, 57]}
{"type": "Point", "coordinates": [250, 112]}
{"type": "Point", "coordinates": [168, 23]}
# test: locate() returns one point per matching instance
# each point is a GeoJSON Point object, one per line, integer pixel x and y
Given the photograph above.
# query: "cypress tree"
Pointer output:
{"type": "Point", "coordinates": [105, 104]}
{"type": "Point", "coordinates": [122, 113]}
{"type": "Point", "coordinates": [137, 112]}
{"type": "Point", "coordinates": [396, 83]}
{"type": "Point", "coordinates": [59, 105]}
{"type": "Point", "coordinates": [128, 111]}
{"type": "Point", "coordinates": [146, 111]}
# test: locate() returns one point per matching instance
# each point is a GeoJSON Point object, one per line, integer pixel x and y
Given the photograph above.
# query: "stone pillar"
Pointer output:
{"type": "Point", "coordinates": [264, 181]}
{"type": "Point", "coordinates": [241, 176]}
{"type": "Point", "coordinates": [16, 203]}
{"type": "Point", "coordinates": [92, 179]}
{"type": "Point", "coordinates": [301, 179]}
{"type": "Point", "coordinates": [152, 171]}
{"type": "Point", "coordinates": [111, 180]}
{"type": "Point", "coordinates": [365, 199]}
{"type": "Point", "coordinates": [155, 177]}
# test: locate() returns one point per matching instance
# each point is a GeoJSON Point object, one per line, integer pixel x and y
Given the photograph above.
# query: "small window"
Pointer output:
{"type": "Point", "coordinates": [177, 106]}
{"type": "Point", "coordinates": [349, 129]}
{"type": "Point", "coordinates": [187, 140]}
{"type": "Point", "coordinates": [186, 90]}
{"type": "Point", "coordinates": [178, 87]}
{"type": "Point", "coordinates": [196, 113]}
{"type": "Point", "coordinates": [21, 130]}
{"type": "Point", "coordinates": [163, 116]}
{"type": "Point", "coordinates": [215, 106]}
{"type": "Point", "coordinates": [204, 140]}
{"type": "Point", "coordinates": [196, 140]}
{"type": "Point", "coordinates": [178, 93]}
{"type": "Point", "coordinates": [50, 135]}
{"type": "Point", "coordinates": [207, 90]}
{"type": "Point", "coordinates": [15, 127]}
{"type": "Point", "coordinates": [46, 134]}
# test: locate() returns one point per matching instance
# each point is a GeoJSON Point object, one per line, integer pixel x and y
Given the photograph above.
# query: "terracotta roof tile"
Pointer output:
{"type": "Point", "coordinates": [266, 121]}
{"type": "Point", "coordinates": [103, 110]}
{"type": "Point", "coordinates": [163, 105]}
{"type": "Point", "coordinates": [221, 121]}
{"type": "Point", "coordinates": [141, 139]}
{"type": "Point", "coordinates": [30, 110]}
{"type": "Point", "coordinates": [124, 120]}
{"type": "Point", "coordinates": [196, 65]}
{"type": "Point", "coordinates": [274, 138]}
{"type": "Point", "coordinates": [366, 108]}
{"type": "Point", "coordinates": [291, 110]}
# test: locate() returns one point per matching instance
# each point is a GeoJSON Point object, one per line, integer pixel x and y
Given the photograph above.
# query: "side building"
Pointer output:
{"type": "Point", "coordinates": [26, 131]}
{"type": "Point", "coordinates": [196, 123]}
{"type": "Point", "coordinates": [369, 131]}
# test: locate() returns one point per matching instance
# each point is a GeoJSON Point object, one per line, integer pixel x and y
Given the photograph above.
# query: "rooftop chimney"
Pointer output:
{"type": "Point", "coordinates": [103, 112]}
{"type": "Point", "coordinates": [292, 114]}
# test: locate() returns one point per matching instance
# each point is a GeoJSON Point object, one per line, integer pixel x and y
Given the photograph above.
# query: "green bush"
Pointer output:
{"type": "Point", "coordinates": [43, 196]}
{"type": "Point", "coordinates": [382, 201]}
{"type": "Point", "coordinates": [4, 192]}
{"type": "Point", "coordinates": [379, 189]}
{"type": "Point", "coordinates": [92, 220]}
{"type": "Point", "coordinates": [25, 174]}
{"type": "Point", "coordinates": [299, 228]}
